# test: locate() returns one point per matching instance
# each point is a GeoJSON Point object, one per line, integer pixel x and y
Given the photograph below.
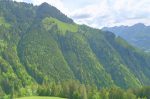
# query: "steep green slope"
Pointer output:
{"type": "Point", "coordinates": [110, 58]}
{"type": "Point", "coordinates": [42, 57]}
{"type": "Point", "coordinates": [13, 73]}
{"type": "Point", "coordinates": [83, 61]}
{"type": "Point", "coordinates": [47, 55]}
{"type": "Point", "coordinates": [41, 47]}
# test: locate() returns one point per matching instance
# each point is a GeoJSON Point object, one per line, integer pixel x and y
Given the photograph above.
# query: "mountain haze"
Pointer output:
{"type": "Point", "coordinates": [138, 35]}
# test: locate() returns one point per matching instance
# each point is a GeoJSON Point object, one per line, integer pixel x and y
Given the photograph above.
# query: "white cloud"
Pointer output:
{"type": "Point", "coordinates": [116, 12]}
{"type": "Point", "coordinates": [99, 13]}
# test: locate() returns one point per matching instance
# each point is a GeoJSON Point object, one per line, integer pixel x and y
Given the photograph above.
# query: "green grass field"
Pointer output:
{"type": "Point", "coordinates": [62, 26]}
{"type": "Point", "coordinates": [3, 22]}
{"type": "Point", "coordinates": [38, 97]}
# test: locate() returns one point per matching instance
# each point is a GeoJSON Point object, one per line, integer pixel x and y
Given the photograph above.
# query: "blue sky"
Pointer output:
{"type": "Point", "coordinates": [100, 13]}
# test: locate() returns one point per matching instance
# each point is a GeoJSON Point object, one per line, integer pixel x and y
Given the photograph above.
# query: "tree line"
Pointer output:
{"type": "Point", "coordinates": [73, 89]}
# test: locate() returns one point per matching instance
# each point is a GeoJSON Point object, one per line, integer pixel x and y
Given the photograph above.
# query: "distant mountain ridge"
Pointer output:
{"type": "Point", "coordinates": [138, 35]}
{"type": "Point", "coordinates": [39, 47]}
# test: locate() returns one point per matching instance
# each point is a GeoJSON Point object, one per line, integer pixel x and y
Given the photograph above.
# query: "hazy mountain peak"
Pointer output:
{"type": "Point", "coordinates": [46, 10]}
{"type": "Point", "coordinates": [137, 35]}
{"type": "Point", "coordinates": [139, 25]}
{"type": "Point", "coordinates": [44, 4]}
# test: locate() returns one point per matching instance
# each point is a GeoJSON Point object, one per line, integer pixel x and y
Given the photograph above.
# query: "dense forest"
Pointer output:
{"type": "Point", "coordinates": [45, 53]}
{"type": "Point", "coordinates": [73, 89]}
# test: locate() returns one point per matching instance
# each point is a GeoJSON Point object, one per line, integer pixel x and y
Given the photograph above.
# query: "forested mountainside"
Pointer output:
{"type": "Point", "coordinates": [138, 35]}
{"type": "Point", "coordinates": [39, 44]}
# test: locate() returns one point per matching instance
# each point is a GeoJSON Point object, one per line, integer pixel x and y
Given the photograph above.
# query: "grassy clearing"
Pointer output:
{"type": "Point", "coordinates": [3, 22]}
{"type": "Point", "coordinates": [40, 97]}
{"type": "Point", "coordinates": [49, 22]}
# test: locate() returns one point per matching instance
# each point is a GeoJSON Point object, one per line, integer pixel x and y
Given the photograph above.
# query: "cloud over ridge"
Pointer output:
{"type": "Point", "coordinates": [99, 13]}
